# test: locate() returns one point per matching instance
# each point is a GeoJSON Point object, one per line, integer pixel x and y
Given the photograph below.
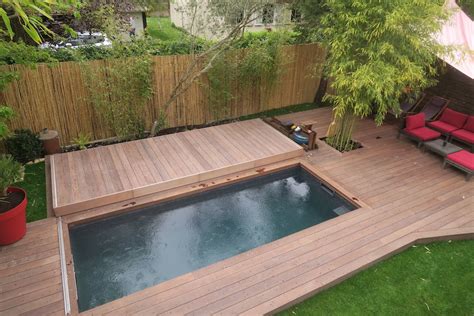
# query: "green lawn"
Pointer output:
{"type": "Point", "coordinates": [162, 28]}
{"type": "Point", "coordinates": [35, 186]}
{"type": "Point", "coordinates": [437, 279]}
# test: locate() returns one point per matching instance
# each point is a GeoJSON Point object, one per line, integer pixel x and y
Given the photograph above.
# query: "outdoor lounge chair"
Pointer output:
{"type": "Point", "coordinates": [462, 160]}
{"type": "Point", "coordinates": [416, 130]}
{"type": "Point", "coordinates": [449, 122]}
{"type": "Point", "coordinates": [408, 105]}
{"type": "Point", "coordinates": [466, 133]}
{"type": "Point", "coordinates": [433, 108]}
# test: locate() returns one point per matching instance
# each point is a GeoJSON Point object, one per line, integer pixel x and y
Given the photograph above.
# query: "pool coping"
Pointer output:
{"type": "Point", "coordinates": [195, 188]}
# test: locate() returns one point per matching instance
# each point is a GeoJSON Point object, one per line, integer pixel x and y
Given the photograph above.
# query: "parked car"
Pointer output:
{"type": "Point", "coordinates": [82, 39]}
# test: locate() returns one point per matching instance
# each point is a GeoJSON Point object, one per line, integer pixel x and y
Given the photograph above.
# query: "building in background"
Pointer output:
{"type": "Point", "coordinates": [137, 19]}
{"type": "Point", "coordinates": [272, 16]}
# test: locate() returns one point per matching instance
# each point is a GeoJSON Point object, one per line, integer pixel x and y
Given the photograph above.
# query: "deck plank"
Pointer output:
{"type": "Point", "coordinates": [409, 196]}
{"type": "Point", "coordinates": [177, 158]}
{"type": "Point", "coordinates": [31, 276]}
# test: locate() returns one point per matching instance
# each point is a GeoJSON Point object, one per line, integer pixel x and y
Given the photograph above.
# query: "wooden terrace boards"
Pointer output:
{"type": "Point", "coordinates": [100, 176]}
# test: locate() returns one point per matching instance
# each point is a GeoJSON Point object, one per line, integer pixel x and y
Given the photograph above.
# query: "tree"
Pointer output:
{"type": "Point", "coordinates": [226, 20]}
{"type": "Point", "coordinates": [108, 15]}
{"type": "Point", "coordinates": [376, 49]}
{"type": "Point", "coordinates": [467, 6]}
{"type": "Point", "coordinates": [29, 15]}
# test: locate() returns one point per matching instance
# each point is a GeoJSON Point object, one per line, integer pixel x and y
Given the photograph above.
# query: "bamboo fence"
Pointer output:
{"type": "Point", "coordinates": [55, 96]}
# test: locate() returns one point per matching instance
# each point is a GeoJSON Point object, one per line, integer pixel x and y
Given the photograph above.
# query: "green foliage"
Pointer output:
{"type": "Point", "coordinates": [96, 16]}
{"type": "Point", "coordinates": [19, 53]}
{"type": "Point", "coordinates": [377, 48]}
{"type": "Point", "coordinates": [30, 15]}
{"type": "Point", "coordinates": [436, 279]}
{"type": "Point", "coordinates": [6, 77]}
{"type": "Point", "coordinates": [312, 11]}
{"type": "Point", "coordinates": [286, 37]}
{"type": "Point", "coordinates": [263, 59]}
{"type": "Point", "coordinates": [82, 140]}
{"type": "Point", "coordinates": [6, 113]}
{"type": "Point", "coordinates": [11, 172]}
{"type": "Point", "coordinates": [119, 92]}
{"type": "Point", "coordinates": [467, 6]}
{"type": "Point", "coordinates": [24, 146]}
{"type": "Point", "coordinates": [260, 63]}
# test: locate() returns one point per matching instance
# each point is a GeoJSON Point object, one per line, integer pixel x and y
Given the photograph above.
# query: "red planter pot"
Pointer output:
{"type": "Point", "coordinates": [13, 222]}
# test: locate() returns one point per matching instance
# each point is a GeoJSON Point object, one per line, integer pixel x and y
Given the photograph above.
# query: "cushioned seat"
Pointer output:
{"type": "Point", "coordinates": [462, 158]}
{"type": "Point", "coordinates": [415, 129]}
{"type": "Point", "coordinates": [443, 127]}
{"type": "Point", "coordinates": [464, 135]}
{"type": "Point", "coordinates": [449, 121]}
{"type": "Point", "coordinates": [469, 126]}
{"type": "Point", "coordinates": [423, 133]}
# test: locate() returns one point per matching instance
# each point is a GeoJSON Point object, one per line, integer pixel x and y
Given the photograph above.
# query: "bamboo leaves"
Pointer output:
{"type": "Point", "coordinates": [30, 15]}
{"type": "Point", "coordinates": [377, 48]}
{"type": "Point", "coordinates": [119, 92]}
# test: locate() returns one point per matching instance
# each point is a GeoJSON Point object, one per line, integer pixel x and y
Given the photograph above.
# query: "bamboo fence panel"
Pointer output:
{"type": "Point", "coordinates": [56, 97]}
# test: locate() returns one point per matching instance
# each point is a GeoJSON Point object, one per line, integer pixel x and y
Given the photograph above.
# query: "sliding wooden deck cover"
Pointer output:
{"type": "Point", "coordinates": [99, 176]}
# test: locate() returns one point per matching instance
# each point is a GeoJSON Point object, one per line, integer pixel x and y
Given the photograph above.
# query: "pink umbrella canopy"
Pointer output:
{"type": "Point", "coordinates": [459, 32]}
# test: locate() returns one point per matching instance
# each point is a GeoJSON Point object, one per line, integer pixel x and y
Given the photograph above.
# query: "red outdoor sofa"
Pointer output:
{"type": "Point", "coordinates": [455, 125]}
{"type": "Point", "coordinates": [452, 124]}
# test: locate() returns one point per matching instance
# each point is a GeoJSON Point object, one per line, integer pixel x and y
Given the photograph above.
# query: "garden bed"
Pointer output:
{"type": "Point", "coordinates": [353, 145]}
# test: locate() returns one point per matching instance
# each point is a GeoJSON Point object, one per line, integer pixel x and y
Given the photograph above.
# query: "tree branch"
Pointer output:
{"type": "Point", "coordinates": [191, 73]}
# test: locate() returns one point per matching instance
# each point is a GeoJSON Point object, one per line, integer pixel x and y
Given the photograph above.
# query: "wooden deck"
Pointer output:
{"type": "Point", "coordinates": [410, 199]}
{"type": "Point", "coordinates": [100, 176]}
{"type": "Point", "coordinates": [30, 274]}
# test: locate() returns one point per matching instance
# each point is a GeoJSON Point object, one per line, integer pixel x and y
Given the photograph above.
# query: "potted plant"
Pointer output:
{"type": "Point", "coordinates": [12, 201]}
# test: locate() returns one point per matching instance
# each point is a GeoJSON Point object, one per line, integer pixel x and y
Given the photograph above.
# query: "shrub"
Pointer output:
{"type": "Point", "coordinates": [20, 53]}
{"type": "Point", "coordinates": [121, 96]}
{"type": "Point", "coordinates": [5, 114]}
{"type": "Point", "coordinates": [24, 146]}
{"type": "Point", "coordinates": [82, 140]}
{"type": "Point", "coordinates": [11, 172]}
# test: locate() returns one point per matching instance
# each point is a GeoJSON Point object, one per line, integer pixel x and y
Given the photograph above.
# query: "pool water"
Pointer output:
{"type": "Point", "coordinates": [120, 255]}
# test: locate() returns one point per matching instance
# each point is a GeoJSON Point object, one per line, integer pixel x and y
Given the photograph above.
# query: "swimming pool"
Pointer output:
{"type": "Point", "coordinates": [120, 255]}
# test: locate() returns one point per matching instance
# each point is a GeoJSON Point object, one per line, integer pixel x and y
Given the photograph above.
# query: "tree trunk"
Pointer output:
{"type": "Point", "coordinates": [340, 131]}
{"type": "Point", "coordinates": [323, 84]}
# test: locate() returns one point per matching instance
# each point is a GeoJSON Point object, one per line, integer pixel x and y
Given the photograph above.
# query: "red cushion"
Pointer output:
{"type": "Point", "coordinates": [442, 126]}
{"type": "Point", "coordinates": [464, 135]}
{"type": "Point", "coordinates": [423, 133]}
{"type": "Point", "coordinates": [469, 126]}
{"type": "Point", "coordinates": [415, 121]}
{"type": "Point", "coordinates": [454, 118]}
{"type": "Point", "coordinates": [463, 158]}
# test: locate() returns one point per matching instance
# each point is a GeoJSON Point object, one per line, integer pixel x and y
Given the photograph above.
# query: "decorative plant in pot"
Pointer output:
{"type": "Point", "coordinates": [12, 200]}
